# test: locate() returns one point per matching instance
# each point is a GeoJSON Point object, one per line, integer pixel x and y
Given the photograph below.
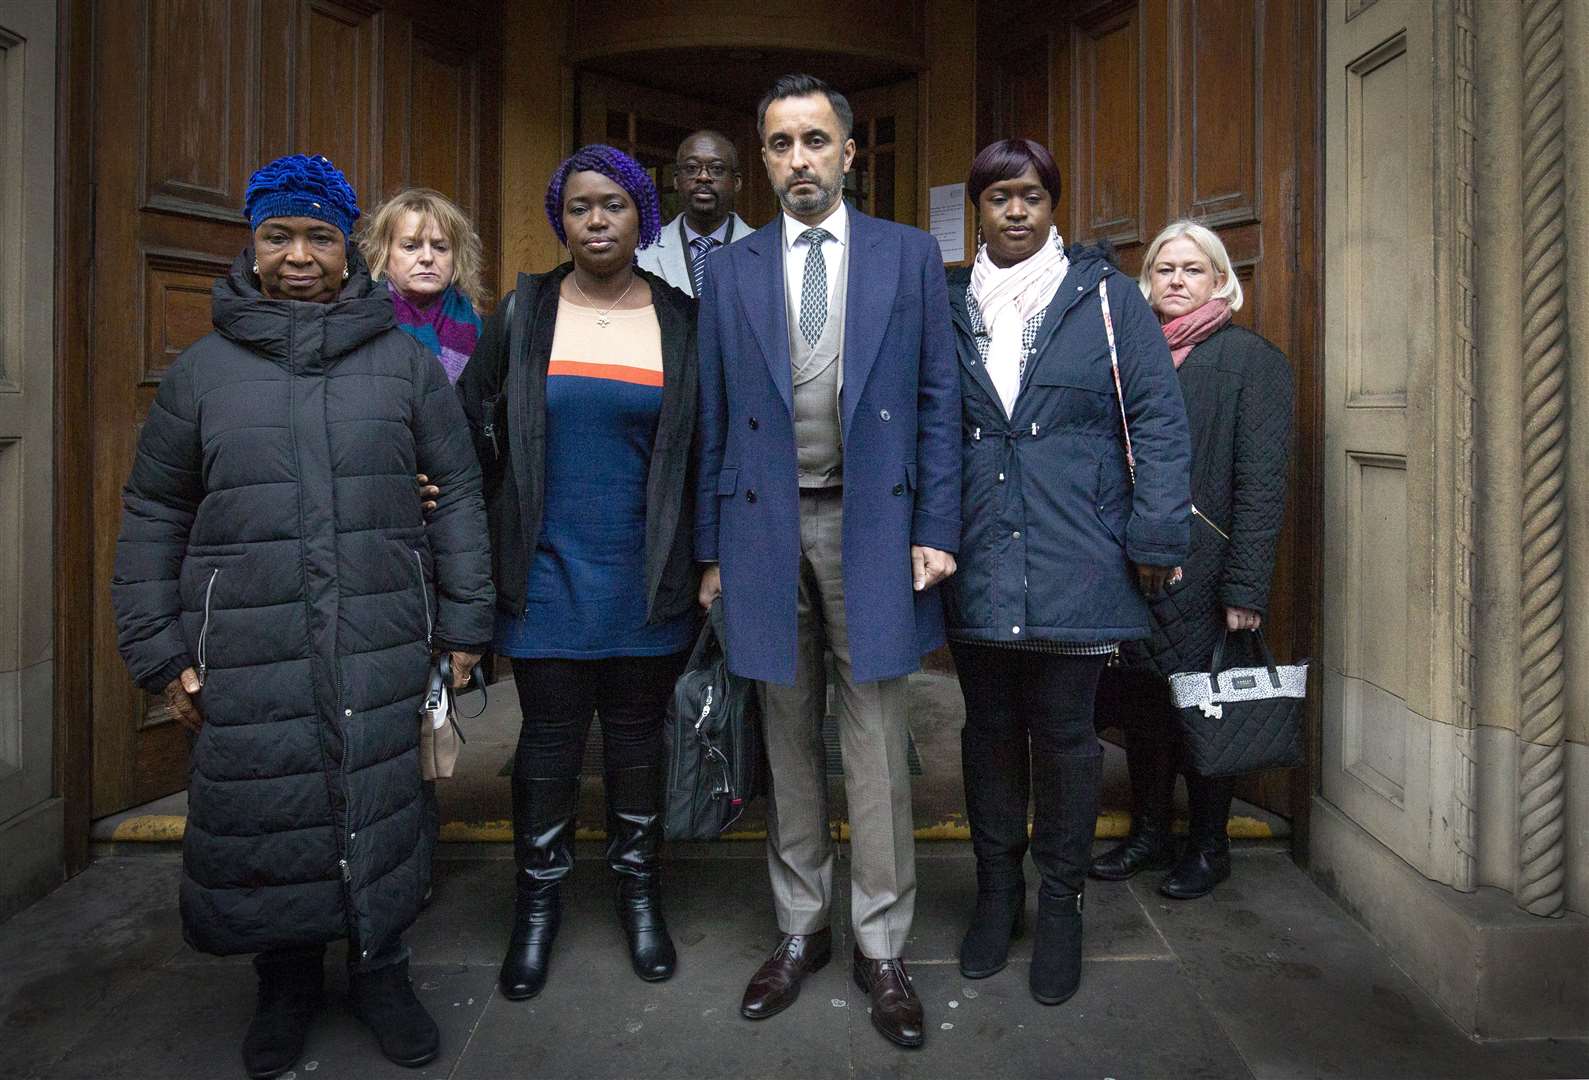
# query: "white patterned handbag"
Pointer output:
{"type": "Point", "coordinates": [1242, 719]}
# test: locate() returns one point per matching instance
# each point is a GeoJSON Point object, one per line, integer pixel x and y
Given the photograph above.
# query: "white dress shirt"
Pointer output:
{"type": "Point", "coordinates": [795, 250]}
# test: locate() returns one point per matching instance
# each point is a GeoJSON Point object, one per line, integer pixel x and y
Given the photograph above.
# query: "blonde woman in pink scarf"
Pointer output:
{"type": "Point", "coordinates": [1237, 389]}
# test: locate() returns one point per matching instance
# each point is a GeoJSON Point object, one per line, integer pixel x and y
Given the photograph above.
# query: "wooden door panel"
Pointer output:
{"type": "Point", "coordinates": [203, 128]}
{"type": "Point", "coordinates": [1223, 102]}
{"type": "Point", "coordinates": [191, 97]}
{"type": "Point", "coordinates": [441, 121]}
{"type": "Point", "coordinates": [1109, 136]}
{"type": "Point", "coordinates": [337, 76]}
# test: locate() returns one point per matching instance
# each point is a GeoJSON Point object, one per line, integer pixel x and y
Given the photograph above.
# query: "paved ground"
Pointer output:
{"type": "Point", "coordinates": [1267, 978]}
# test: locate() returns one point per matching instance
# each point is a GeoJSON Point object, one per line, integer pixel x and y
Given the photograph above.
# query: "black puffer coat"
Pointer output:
{"type": "Point", "coordinates": [272, 539]}
{"type": "Point", "coordinates": [1237, 389]}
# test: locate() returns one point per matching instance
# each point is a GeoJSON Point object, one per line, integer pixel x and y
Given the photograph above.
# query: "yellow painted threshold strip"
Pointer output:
{"type": "Point", "coordinates": [168, 829]}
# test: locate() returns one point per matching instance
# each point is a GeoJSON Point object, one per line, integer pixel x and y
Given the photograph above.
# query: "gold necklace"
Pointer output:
{"type": "Point", "coordinates": [601, 316]}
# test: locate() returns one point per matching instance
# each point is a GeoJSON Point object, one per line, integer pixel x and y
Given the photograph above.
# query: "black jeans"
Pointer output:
{"type": "Point", "coordinates": [1029, 724]}
{"type": "Point", "coordinates": [558, 699]}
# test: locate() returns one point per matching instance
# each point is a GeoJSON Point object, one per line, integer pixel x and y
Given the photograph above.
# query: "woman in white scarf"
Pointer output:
{"type": "Point", "coordinates": [1057, 546]}
{"type": "Point", "coordinates": [1009, 295]}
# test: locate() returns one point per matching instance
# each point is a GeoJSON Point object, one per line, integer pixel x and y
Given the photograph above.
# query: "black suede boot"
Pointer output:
{"type": "Point", "coordinates": [543, 854]}
{"type": "Point", "coordinates": [997, 785]}
{"type": "Point", "coordinates": [1206, 860]}
{"type": "Point", "coordinates": [291, 991]}
{"type": "Point", "coordinates": [384, 1001]}
{"type": "Point", "coordinates": [1151, 765]}
{"type": "Point", "coordinates": [1066, 788]}
{"type": "Point", "coordinates": [634, 839]}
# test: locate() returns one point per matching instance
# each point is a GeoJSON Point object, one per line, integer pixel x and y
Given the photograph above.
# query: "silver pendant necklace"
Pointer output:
{"type": "Point", "coordinates": [602, 319]}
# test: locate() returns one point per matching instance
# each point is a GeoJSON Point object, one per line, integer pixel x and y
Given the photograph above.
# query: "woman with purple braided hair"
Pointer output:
{"type": "Point", "coordinates": [581, 398]}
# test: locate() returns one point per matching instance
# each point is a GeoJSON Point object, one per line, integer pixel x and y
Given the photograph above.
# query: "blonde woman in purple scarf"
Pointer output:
{"type": "Point", "coordinates": [423, 246]}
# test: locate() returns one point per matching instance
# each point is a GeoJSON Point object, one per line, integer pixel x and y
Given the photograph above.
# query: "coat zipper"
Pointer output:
{"type": "Point", "coordinates": [424, 594]}
{"type": "Point", "coordinates": [1222, 534]}
{"type": "Point", "coordinates": [204, 630]}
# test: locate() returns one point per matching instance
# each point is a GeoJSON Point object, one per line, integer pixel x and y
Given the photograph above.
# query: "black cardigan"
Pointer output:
{"type": "Point", "coordinates": [1238, 393]}
{"type": "Point", "coordinates": [503, 391]}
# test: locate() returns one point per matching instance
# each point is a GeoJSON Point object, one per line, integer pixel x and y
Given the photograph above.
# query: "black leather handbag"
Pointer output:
{"type": "Point", "coordinates": [1241, 719]}
{"type": "Point", "coordinates": [712, 742]}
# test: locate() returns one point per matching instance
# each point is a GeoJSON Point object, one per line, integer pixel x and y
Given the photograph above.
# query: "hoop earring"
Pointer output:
{"type": "Point", "coordinates": [344, 273]}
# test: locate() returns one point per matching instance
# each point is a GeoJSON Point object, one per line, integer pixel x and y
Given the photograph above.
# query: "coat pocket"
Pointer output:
{"type": "Point", "coordinates": [204, 627]}
{"type": "Point", "coordinates": [727, 481]}
{"type": "Point", "coordinates": [424, 594]}
{"type": "Point", "coordinates": [1110, 502]}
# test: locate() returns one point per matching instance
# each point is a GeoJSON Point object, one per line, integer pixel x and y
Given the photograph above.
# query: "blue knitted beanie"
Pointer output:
{"type": "Point", "coordinates": [301, 186]}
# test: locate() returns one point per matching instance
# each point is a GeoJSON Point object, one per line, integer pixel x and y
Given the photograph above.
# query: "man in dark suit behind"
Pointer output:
{"type": "Point", "coordinates": [828, 512]}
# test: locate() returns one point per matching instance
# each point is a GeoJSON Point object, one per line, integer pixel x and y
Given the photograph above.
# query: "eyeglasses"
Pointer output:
{"type": "Point", "coordinates": [691, 169]}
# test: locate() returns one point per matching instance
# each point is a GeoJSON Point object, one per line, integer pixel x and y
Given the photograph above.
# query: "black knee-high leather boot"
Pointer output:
{"type": "Point", "coordinates": [1065, 789]}
{"type": "Point", "coordinates": [997, 783]}
{"type": "Point", "coordinates": [634, 840]}
{"type": "Point", "coordinates": [543, 854]}
{"type": "Point", "coordinates": [1206, 860]}
{"type": "Point", "coordinates": [1151, 764]}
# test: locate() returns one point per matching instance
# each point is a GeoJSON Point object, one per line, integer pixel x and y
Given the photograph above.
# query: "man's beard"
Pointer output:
{"type": "Point", "coordinates": [823, 198]}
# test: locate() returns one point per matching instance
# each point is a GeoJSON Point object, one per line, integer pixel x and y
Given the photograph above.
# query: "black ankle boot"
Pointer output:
{"type": "Point", "coordinates": [1000, 918]}
{"type": "Point", "coordinates": [543, 853]}
{"type": "Point", "coordinates": [1206, 860]}
{"type": "Point", "coordinates": [997, 775]}
{"type": "Point", "coordinates": [1065, 789]}
{"type": "Point", "coordinates": [384, 1001]}
{"type": "Point", "coordinates": [634, 835]}
{"type": "Point", "coordinates": [1056, 950]}
{"type": "Point", "coordinates": [291, 990]}
{"type": "Point", "coordinates": [1151, 766]}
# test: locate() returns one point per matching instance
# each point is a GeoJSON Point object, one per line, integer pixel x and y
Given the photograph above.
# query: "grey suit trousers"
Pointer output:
{"type": "Point", "coordinates": [873, 736]}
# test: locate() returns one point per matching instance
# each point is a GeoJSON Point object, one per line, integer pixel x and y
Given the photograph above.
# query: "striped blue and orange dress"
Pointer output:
{"type": "Point", "coordinates": [587, 595]}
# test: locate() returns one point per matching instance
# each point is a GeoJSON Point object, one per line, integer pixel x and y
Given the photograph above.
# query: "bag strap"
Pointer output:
{"type": "Point", "coordinates": [1114, 365]}
{"type": "Point", "coordinates": [1216, 665]}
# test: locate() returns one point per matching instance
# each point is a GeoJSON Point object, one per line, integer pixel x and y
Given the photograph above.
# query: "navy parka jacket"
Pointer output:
{"type": "Point", "coordinates": [1050, 521]}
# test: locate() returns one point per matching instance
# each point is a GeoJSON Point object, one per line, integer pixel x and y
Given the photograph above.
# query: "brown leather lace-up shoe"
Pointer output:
{"type": "Point", "coordinates": [896, 1010]}
{"type": "Point", "coordinates": [776, 983]}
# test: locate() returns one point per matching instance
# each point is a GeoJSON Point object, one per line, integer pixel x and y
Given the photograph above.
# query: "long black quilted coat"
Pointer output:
{"type": "Point", "coordinates": [1237, 388]}
{"type": "Point", "coordinates": [272, 539]}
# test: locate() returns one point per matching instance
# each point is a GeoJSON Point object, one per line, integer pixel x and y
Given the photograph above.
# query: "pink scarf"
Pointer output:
{"type": "Point", "coordinates": [1184, 332]}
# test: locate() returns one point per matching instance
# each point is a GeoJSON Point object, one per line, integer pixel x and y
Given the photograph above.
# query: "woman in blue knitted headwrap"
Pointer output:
{"type": "Point", "coordinates": [275, 581]}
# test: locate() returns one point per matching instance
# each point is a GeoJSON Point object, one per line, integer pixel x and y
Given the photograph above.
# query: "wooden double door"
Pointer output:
{"type": "Point", "coordinates": [1204, 109]}
{"type": "Point", "coordinates": [189, 97]}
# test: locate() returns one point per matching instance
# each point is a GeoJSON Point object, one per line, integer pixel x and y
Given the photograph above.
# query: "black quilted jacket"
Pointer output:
{"type": "Point", "coordinates": [1237, 389]}
{"type": "Point", "coordinates": [271, 538]}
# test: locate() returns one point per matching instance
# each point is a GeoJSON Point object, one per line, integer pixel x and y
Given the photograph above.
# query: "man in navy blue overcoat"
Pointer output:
{"type": "Point", "coordinates": [829, 502]}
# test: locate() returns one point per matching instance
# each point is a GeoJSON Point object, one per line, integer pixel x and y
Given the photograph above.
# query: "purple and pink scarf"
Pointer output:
{"type": "Point", "coordinates": [448, 327]}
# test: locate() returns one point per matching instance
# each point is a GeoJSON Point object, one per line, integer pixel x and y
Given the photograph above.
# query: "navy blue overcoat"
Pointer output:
{"type": "Point", "coordinates": [900, 414]}
{"type": "Point", "coordinates": [1052, 520]}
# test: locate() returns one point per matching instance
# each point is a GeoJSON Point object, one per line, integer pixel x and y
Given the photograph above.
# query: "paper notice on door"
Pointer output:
{"type": "Point", "coordinates": [946, 210]}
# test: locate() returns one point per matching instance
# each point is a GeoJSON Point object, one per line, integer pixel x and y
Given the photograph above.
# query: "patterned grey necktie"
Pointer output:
{"type": "Point", "coordinates": [701, 246]}
{"type": "Point", "coordinates": [814, 287]}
